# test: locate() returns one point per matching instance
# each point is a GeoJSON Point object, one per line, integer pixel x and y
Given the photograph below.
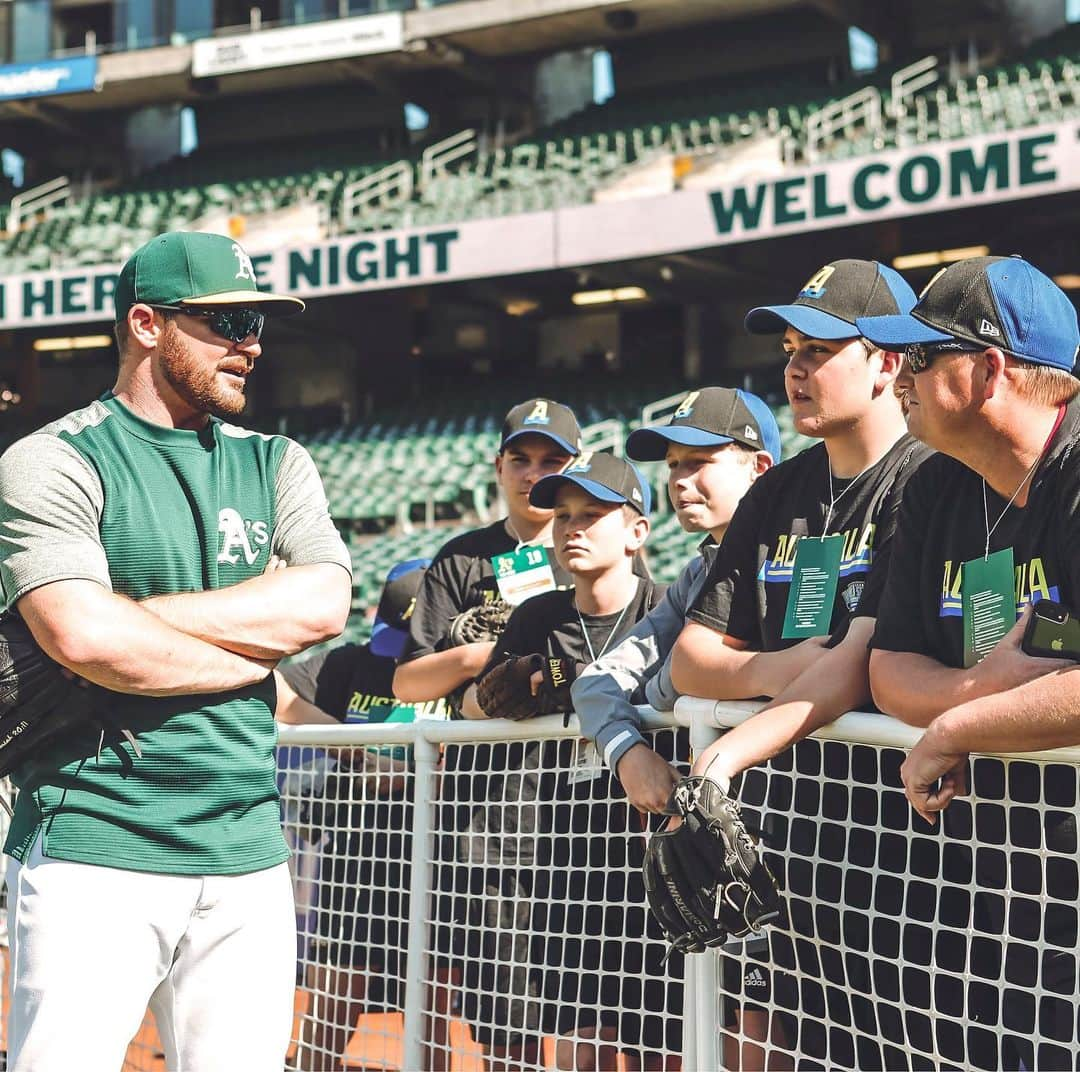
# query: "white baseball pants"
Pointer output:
{"type": "Point", "coordinates": [91, 947]}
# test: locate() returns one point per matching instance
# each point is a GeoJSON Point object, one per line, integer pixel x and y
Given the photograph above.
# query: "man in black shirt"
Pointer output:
{"type": "Point", "coordinates": [539, 437]}
{"type": "Point", "coordinates": [988, 527]}
{"type": "Point", "coordinates": [366, 809]}
{"type": "Point", "coordinates": [746, 634]}
{"type": "Point", "coordinates": [569, 885]}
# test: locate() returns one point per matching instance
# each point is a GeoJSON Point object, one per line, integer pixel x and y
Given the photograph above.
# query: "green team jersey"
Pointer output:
{"type": "Point", "coordinates": [146, 510]}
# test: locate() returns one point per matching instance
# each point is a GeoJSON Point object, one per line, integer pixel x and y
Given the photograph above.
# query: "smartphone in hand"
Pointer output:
{"type": "Point", "coordinates": [1052, 632]}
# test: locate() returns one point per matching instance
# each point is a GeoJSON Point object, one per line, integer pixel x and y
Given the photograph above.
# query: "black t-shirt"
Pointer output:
{"type": "Point", "coordinates": [354, 684]}
{"type": "Point", "coordinates": [460, 577]}
{"type": "Point", "coordinates": [943, 524]}
{"type": "Point", "coordinates": [746, 592]}
{"type": "Point", "coordinates": [548, 624]}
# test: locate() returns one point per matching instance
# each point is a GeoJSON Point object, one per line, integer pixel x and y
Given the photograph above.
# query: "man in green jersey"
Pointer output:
{"type": "Point", "coordinates": [135, 536]}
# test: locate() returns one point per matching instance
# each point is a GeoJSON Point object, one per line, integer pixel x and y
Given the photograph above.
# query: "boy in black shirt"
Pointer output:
{"type": "Point", "coordinates": [364, 876]}
{"type": "Point", "coordinates": [568, 884]}
{"type": "Point", "coordinates": [993, 521]}
{"type": "Point", "coordinates": [747, 633]}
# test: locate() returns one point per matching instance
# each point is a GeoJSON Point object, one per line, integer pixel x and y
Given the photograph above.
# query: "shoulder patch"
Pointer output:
{"type": "Point", "coordinates": [77, 421]}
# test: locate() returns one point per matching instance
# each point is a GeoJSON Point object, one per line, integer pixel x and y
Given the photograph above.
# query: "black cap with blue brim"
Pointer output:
{"type": "Point", "coordinates": [603, 476]}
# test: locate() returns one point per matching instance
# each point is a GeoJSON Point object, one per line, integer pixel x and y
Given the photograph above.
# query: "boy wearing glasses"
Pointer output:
{"type": "Point", "coordinates": [136, 535]}
{"type": "Point", "coordinates": [989, 527]}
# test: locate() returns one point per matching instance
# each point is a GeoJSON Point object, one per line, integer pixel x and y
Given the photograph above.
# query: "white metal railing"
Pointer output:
{"type": "Point", "coordinates": [40, 197]}
{"type": "Point", "coordinates": [859, 109]}
{"type": "Point", "coordinates": [909, 81]}
{"type": "Point", "coordinates": [604, 435]}
{"type": "Point", "coordinates": [435, 158]}
{"type": "Point", "coordinates": [388, 187]}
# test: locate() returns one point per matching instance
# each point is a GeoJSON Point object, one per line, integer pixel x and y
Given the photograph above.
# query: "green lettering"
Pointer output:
{"type": "Point", "coordinates": [30, 299]}
{"type": "Point", "coordinates": [73, 294]}
{"type": "Point", "coordinates": [261, 263]}
{"type": "Point", "coordinates": [746, 211]}
{"type": "Point", "coordinates": [333, 258]}
{"type": "Point", "coordinates": [104, 288]}
{"type": "Point", "coordinates": [963, 169]}
{"type": "Point", "coordinates": [3, 300]}
{"type": "Point", "coordinates": [441, 241]}
{"type": "Point", "coordinates": [362, 271]}
{"type": "Point", "coordinates": [931, 179]}
{"type": "Point", "coordinates": [1032, 154]}
{"type": "Point", "coordinates": [310, 271]}
{"type": "Point", "coordinates": [784, 211]}
{"type": "Point", "coordinates": [859, 192]}
{"type": "Point", "coordinates": [822, 208]}
{"type": "Point", "coordinates": [410, 258]}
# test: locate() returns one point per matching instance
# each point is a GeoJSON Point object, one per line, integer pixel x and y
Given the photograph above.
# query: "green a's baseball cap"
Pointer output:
{"type": "Point", "coordinates": [188, 268]}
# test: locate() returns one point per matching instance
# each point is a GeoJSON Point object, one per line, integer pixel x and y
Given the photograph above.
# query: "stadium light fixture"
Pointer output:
{"type": "Point", "coordinates": [1068, 281]}
{"type": "Point", "coordinates": [605, 297]}
{"type": "Point", "coordinates": [76, 342]}
{"type": "Point", "coordinates": [521, 306]}
{"type": "Point", "coordinates": [941, 256]}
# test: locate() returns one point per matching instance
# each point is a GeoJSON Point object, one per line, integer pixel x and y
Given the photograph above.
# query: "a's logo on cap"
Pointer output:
{"type": "Point", "coordinates": [247, 269]}
{"type": "Point", "coordinates": [751, 433]}
{"type": "Point", "coordinates": [539, 414]}
{"type": "Point", "coordinates": [815, 285]}
{"type": "Point", "coordinates": [580, 465]}
{"type": "Point", "coordinates": [686, 406]}
{"type": "Point", "coordinates": [986, 328]}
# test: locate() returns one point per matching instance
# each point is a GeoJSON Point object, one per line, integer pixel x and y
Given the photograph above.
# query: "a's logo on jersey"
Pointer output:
{"type": "Point", "coordinates": [686, 406]}
{"type": "Point", "coordinates": [240, 537]}
{"type": "Point", "coordinates": [539, 414]}
{"type": "Point", "coordinates": [815, 285]}
{"type": "Point", "coordinates": [247, 269]}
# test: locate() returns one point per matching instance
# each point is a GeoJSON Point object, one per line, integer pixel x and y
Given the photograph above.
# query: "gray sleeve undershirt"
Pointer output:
{"type": "Point", "coordinates": [304, 533]}
{"type": "Point", "coordinates": [51, 502]}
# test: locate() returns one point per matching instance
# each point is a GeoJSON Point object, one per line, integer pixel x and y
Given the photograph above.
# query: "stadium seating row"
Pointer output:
{"type": "Point", "coordinates": [564, 164]}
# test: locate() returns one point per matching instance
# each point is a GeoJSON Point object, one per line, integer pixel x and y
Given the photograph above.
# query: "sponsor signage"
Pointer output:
{"type": "Point", "coordinates": [292, 45]}
{"type": "Point", "coordinates": [931, 178]}
{"type": "Point", "coordinates": [47, 79]}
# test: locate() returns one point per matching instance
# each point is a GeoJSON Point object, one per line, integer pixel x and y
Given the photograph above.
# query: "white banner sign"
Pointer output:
{"type": "Point", "coordinates": [933, 178]}
{"type": "Point", "coordinates": [292, 45]}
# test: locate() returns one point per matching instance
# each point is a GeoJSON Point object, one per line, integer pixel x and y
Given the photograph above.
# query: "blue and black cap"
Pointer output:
{"type": "Point", "coordinates": [603, 476]}
{"type": "Point", "coordinates": [987, 301]}
{"type": "Point", "coordinates": [833, 299]}
{"type": "Point", "coordinates": [711, 417]}
{"type": "Point", "coordinates": [542, 416]}
{"type": "Point", "coordinates": [391, 628]}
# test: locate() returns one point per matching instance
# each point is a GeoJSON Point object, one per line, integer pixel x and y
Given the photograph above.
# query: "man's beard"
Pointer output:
{"type": "Point", "coordinates": [193, 381]}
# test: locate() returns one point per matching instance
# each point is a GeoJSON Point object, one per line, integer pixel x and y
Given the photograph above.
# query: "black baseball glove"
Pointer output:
{"type": "Point", "coordinates": [505, 691]}
{"type": "Point", "coordinates": [484, 622]}
{"type": "Point", "coordinates": [706, 881]}
{"type": "Point", "coordinates": [39, 701]}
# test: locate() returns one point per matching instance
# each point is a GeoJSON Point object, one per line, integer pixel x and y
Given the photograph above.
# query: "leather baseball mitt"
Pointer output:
{"type": "Point", "coordinates": [484, 622]}
{"type": "Point", "coordinates": [706, 881]}
{"type": "Point", "coordinates": [505, 691]}
{"type": "Point", "coordinates": [38, 700]}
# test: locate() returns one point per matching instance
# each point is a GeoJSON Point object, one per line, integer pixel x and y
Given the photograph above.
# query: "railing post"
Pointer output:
{"type": "Point", "coordinates": [417, 956]}
{"type": "Point", "coordinates": [702, 969]}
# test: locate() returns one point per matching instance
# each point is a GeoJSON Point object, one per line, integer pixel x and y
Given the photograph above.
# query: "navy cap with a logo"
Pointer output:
{"type": "Point", "coordinates": [710, 417]}
{"type": "Point", "coordinates": [391, 628]}
{"type": "Point", "coordinates": [541, 416]}
{"type": "Point", "coordinates": [988, 301]}
{"type": "Point", "coordinates": [603, 476]}
{"type": "Point", "coordinates": [833, 298]}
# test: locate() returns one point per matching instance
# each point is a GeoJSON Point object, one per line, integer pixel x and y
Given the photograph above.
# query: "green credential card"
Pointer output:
{"type": "Point", "coordinates": [988, 602]}
{"type": "Point", "coordinates": [814, 577]}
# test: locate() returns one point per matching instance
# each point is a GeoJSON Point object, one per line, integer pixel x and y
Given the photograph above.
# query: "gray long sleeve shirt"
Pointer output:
{"type": "Point", "coordinates": [603, 695]}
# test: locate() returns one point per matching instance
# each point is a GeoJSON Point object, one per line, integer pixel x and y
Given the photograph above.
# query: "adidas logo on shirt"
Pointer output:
{"type": "Point", "coordinates": [754, 978]}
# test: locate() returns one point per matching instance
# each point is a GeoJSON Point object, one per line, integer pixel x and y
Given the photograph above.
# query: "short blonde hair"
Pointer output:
{"type": "Point", "coordinates": [1046, 386]}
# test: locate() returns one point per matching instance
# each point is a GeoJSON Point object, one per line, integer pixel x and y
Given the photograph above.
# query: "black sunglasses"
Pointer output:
{"type": "Point", "coordinates": [232, 323]}
{"type": "Point", "coordinates": [919, 355]}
